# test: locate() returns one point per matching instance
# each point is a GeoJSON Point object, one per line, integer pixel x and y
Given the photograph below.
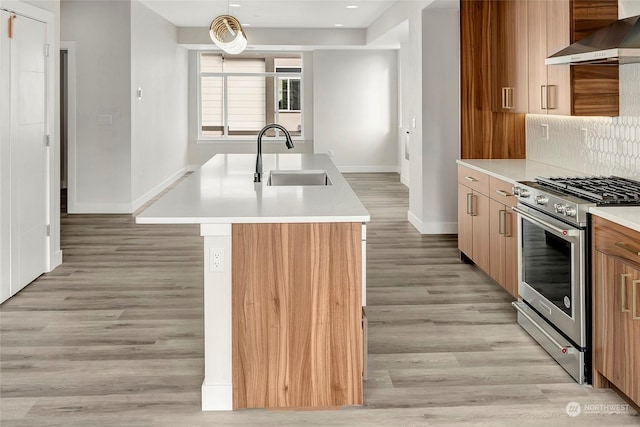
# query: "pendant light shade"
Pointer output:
{"type": "Point", "coordinates": [226, 32]}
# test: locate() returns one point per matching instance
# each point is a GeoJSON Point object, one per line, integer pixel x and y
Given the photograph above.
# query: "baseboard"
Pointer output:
{"type": "Point", "coordinates": [368, 169]}
{"type": "Point", "coordinates": [140, 201]}
{"type": "Point", "coordinates": [56, 260]}
{"type": "Point", "coordinates": [217, 397]}
{"type": "Point", "coordinates": [432, 227]}
{"type": "Point", "coordinates": [404, 180]}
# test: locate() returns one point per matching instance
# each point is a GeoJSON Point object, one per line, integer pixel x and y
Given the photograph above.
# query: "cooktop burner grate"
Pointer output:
{"type": "Point", "coordinates": [612, 190]}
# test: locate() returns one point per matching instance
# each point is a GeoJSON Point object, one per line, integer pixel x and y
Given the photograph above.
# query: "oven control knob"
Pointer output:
{"type": "Point", "coordinates": [541, 200]}
{"type": "Point", "coordinates": [524, 193]}
{"type": "Point", "coordinates": [516, 191]}
{"type": "Point", "coordinates": [570, 211]}
{"type": "Point", "coordinates": [559, 208]}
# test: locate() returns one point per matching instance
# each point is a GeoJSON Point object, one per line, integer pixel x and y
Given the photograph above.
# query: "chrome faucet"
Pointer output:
{"type": "Point", "coordinates": [257, 177]}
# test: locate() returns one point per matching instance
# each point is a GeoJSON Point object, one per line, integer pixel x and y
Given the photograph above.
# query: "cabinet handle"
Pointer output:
{"type": "Point", "coordinates": [502, 222]}
{"type": "Point", "coordinates": [634, 303]}
{"type": "Point", "coordinates": [623, 292]}
{"type": "Point", "coordinates": [504, 193]}
{"type": "Point", "coordinates": [507, 98]}
{"type": "Point", "coordinates": [470, 179]}
{"type": "Point", "coordinates": [470, 204]}
{"type": "Point", "coordinates": [628, 247]}
{"type": "Point", "coordinates": [507, 233]}
{"type": "Point", "coordinates": [543, 97]}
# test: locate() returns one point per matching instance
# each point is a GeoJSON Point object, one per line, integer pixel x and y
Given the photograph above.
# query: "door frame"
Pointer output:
{"type": "Point", "coordinates": [70, 48]}
{"type": "Point", "coordinates": [52, 242]}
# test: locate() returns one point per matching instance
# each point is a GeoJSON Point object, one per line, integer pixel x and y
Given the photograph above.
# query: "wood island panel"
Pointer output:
{"type": "Point", "coordinates": [296, 319]}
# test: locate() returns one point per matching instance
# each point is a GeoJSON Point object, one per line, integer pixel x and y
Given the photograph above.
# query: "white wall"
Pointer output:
{"type": "Point", "coordinates": [102, 32]}
{"type": "Point", "coordinates": [159, 120]}
{"type": "Point", "coordinates": [440, 119]}
{"type": "Point", "coordinates": [355, 108]}
{"type": "Point", "coordinates": [628, 8]}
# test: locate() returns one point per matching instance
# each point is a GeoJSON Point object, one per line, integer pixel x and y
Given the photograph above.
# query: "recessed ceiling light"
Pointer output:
{"type": "Point", "coordinates": [235, 5]}
{"type": "Point", "coordinates": [338, 25]}
{"type": "Point", "coordinates": [352, 6]}
{"type": "Point", "coordinates": [246, 25]}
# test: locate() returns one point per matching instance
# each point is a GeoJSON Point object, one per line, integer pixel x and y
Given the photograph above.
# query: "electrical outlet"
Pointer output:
{"type": "Point", "coordinates": [216, 260]}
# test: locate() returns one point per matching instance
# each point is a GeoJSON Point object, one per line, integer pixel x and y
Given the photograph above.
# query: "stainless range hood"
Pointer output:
{"type": "Point", "coordinates": [617, 43]}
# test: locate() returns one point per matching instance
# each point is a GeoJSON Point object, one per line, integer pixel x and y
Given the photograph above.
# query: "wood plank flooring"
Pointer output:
{"type": "Point", "coordinates": [114, 336]}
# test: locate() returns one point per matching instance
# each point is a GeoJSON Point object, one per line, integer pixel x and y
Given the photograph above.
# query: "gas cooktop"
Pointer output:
{"type": "Point", "coordinates": [612, 190]}
{"type": "Point", "coordinates": [569, 198]}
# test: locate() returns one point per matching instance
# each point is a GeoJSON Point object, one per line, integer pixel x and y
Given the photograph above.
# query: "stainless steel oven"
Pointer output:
{"type": "Point", "coordinates": [553, 271]}
{"type": "Point", "coordinates": [552, 286]}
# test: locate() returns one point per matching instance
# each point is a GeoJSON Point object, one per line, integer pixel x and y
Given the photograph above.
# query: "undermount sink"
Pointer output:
{"type": "Point", "coordinates": [298, 177]}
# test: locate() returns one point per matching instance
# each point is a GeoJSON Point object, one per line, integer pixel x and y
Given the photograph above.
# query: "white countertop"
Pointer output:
{"type": "Point", "coordinates": [222, 191]}
{"type": "Point", "coordinates": [526, 170]}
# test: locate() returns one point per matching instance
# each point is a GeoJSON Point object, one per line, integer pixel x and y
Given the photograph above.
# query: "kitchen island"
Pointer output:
{"type": "Point", "coordinates": [284, 281]}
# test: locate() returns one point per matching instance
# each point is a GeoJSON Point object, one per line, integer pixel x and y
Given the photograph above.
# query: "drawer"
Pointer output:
{"type": "Point", "coordinates": [615, 240]}
{"type": "Point", "coordinates": [473, 179]}
{"type": "Point", "coordinates": [502, 191]}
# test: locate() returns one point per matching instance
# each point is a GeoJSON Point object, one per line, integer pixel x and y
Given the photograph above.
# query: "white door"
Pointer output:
{"type": "Point", "coordinates": [28, 152]}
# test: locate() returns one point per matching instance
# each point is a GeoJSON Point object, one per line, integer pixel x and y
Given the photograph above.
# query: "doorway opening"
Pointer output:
{"type": "Point", "coordinates": [67, 127]}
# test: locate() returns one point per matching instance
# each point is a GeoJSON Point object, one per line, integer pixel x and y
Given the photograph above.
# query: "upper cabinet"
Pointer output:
{"type": "Point", "coordinates": [584, 90]}
{"type": "Point", "coordinates": [508, 57]}
{"type": "Point", "coordinates": [549, 28]}
{"type": "Point", "coordinates": [491, 81]}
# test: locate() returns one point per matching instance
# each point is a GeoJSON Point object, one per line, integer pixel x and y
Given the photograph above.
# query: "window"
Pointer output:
{"type": "Point", "coordinates": [238, 96]}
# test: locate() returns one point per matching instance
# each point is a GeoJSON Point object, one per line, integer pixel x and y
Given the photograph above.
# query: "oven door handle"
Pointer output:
{"type": "Point", "coordinates": [546, 224]}
{"type": "Point", "coordinates": [563, 349]}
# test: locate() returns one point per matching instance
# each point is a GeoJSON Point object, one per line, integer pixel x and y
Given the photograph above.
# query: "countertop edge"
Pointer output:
{"type": "Point", "coordinates": [488, 172]}
{"type": "Point", "coordinates": [608, 213]}
{"type": "Point", "coordinates": [252, 220]}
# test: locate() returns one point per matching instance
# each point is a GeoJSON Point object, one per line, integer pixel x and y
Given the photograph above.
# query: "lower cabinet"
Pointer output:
{"type": "Point", "coordinates": [503, 236]}
{"type": "Point", "coordinates": [487, 227]}
{"type": "Point", "coordinates": [616, 308]}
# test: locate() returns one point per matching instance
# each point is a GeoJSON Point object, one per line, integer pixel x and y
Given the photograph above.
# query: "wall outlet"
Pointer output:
{"type": "Point", "coordinates": [545, 130]}
{"type": "Point", "coordinates": [331, 153]}
{"type": "Point", "coordinates": [216, 260]}
{"type": "Point", "coordinates": [585, 135]}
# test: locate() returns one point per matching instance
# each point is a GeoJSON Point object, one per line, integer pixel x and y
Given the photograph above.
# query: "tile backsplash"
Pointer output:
{"type": "Point", "coordinates": [592, 145]}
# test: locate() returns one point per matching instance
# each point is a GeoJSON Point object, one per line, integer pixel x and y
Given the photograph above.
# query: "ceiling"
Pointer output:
{"type": "Point", "coordinates": [272, 14]}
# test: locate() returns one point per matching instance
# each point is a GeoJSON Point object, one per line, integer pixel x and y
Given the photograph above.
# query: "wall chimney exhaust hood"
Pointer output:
{"type": "Point", "coordinates": [617, 43]}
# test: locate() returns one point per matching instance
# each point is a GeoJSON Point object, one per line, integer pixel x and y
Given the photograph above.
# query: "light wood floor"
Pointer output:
{"type": "Point", "coordinates": [114, 336]}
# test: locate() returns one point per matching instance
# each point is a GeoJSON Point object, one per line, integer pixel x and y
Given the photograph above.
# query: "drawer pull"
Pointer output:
{"type": "Point", "coordinates": [634, 304]}
{"type": "Point", "coordinates": [628, 247]}
{"type": "Point", "coordinates": [504, 193]}
{"type": "Point", "coordinates": [470, 179]}
{"type": "Point", "coordinates": [623, 293]}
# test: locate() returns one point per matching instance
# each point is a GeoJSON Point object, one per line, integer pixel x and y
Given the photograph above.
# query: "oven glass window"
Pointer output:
{"type": "Point", "coordinates": [547, 265]}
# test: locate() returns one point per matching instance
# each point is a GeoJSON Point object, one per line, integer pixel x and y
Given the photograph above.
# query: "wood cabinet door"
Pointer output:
{"type": "Point", "coordinates": [497, 227]}
{"type": "Point", "coordinates": [465, 221]}
{"type": "Point", "coordinates": [480, 206]}
{"type": "Point", "coordinates": [509, 58]}
{"type": "Point", "coordinates": [558, 76]}
{"type": "Point", "coordinates": [537, 50]}
{"type": "Point", "coordinates": [617, 334]}
{"type": "Point", "coordinates": [511, 253]}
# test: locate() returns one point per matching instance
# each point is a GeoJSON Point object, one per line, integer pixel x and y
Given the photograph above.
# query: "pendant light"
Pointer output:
{"type": "Point", "coordinates": [226, 32]}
